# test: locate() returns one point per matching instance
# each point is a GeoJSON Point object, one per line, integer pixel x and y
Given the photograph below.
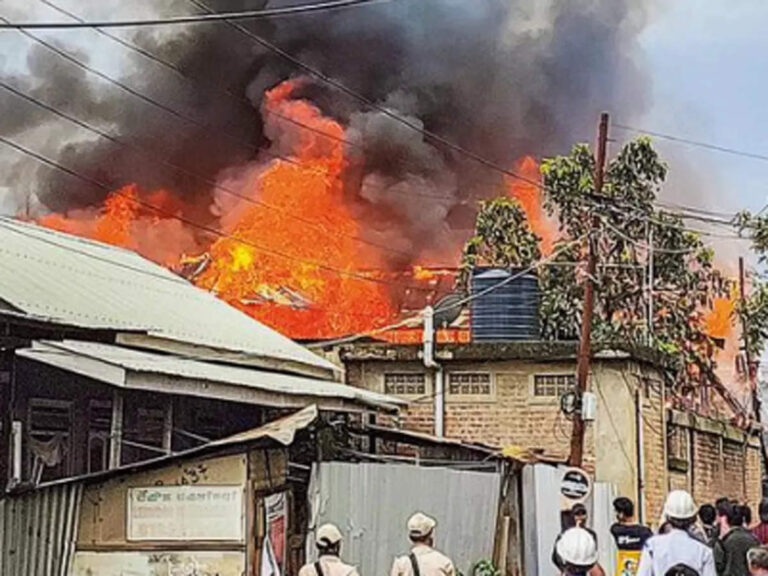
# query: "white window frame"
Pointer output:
{"type": "Point", "coordinates": [423, 374]}
{"type": "Point", "coordinates": [547, 399]}
{"type": "Point", "coordinates": [470, 398]}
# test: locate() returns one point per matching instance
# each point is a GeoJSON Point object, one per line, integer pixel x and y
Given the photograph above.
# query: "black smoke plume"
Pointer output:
{"type": "Point", "coordinates": [503, 78]}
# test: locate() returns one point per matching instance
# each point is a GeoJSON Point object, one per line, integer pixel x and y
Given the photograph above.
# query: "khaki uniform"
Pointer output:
{"type": "Point", "coordinates": [331, 566]}
{"type": "Point", "coordinates": [431, 563]}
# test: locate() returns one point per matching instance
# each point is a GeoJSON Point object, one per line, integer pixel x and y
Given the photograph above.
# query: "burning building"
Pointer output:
{"type": "Point", "coordinates": [304, 206]}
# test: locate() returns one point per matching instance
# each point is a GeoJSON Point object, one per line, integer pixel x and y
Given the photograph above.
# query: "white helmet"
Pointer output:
{"type": "Point", "coordinates": [679, 506]}
{"type": "Point", "coordinates": [577, 547]}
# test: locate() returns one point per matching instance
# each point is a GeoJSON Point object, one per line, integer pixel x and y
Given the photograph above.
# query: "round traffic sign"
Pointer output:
{"type": "Point", "coordinates": [575, 485]}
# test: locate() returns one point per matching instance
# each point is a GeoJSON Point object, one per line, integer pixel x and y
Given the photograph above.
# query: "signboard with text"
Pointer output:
{"type": "Point", "coordinates": [185, 513]}
{"type": "Point", "coordinates": [575, 486]}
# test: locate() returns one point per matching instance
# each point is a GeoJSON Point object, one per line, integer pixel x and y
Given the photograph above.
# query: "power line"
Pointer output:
{"type": "Point", "coordinates": [318, 74]}
{"type": "Point", "coordinates": [181, 169]}
{"type": "Point", "coordinates": [196, 18]}
{"type": "Point", "coordinates": [689, 142]}
{"type": "Point", "coordinates": [238, 99]}
{"type": "Point", "coordinates": [51, 163]}
{"type": "Point", "coordinates": [370, 103]}
{"type": "Point", "coordinates": [7, 223]}
{"type": "Point", "coordinates": [645, 246]}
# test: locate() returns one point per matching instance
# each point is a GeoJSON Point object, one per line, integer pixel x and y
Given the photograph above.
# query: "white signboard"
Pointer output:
{"type": "Point", "coordinates": [185, 513]}
{"type": "Point", "coordinates": [160, 563]}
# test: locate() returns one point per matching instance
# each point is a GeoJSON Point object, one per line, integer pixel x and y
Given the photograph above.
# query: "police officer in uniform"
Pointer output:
{"type": "Point", "coordinates": [328, 543]}
{"type": "Point", "coordinates": [423, 560]}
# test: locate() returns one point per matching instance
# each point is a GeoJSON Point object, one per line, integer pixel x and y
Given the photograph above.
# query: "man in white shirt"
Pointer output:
{"type": "Point", "coordinates": [423, 560]}
{"type": "Point", "coordinates": [677, 546]}
{"type": "Point", "coordinates": [328, 543]}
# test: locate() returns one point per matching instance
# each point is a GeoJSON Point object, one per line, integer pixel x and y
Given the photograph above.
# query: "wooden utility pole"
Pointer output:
{"type": "Point", "coordinates": [585, 343]}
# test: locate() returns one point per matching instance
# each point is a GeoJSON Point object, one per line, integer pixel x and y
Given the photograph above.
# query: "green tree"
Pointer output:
{"type": "Point", "coordinates": [502, 239]}
{"type": "Point", "coordinates": [684, 281]}
{"type": "Point", "coordinates": [753, 312]}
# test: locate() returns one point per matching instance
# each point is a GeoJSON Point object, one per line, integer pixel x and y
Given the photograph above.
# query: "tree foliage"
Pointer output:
{"type": "Point", "coordinates": [753, 312]}
{"type": "Point", "coordinates": [685, 281]}
{"type": "Point", "coordinates": [502, 239]}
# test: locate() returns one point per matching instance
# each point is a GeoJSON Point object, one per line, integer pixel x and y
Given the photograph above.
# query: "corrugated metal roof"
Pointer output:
{"type": "Point", "coordinates": [79, 282]}
{"type": "Point", "coordinates": [116, 365]}
{"type": "Point", "coordinates": [38, 531]}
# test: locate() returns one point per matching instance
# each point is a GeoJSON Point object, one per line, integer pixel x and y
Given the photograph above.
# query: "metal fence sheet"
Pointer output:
{"type": "Point", "coordinates": [38, 531]}
{"type": "Point", "coordinates": [372, 502]}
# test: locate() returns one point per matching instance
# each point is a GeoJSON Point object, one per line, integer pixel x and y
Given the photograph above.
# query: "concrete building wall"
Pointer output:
{"type": "Point", "coordinates": [512, 415]}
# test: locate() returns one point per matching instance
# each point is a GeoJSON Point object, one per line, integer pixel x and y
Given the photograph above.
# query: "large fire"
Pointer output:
{"type": "Point", "coordinates": [525, 191]}
{"type": "Point", "coordinates": [290, 252]}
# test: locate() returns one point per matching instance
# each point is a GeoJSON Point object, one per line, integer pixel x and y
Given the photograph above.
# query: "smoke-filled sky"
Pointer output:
{"type": "Point", "coordinates": [501, 77]}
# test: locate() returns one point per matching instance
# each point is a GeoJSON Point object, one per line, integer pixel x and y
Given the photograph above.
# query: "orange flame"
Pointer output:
{"type": "Point", "coordinates": [123, 221]}
{"type": "Point", "coordinates": [530, 197]}
{"type": "Point", "coordinates": [297, 265]}
{"type": "Point", "coordinates": [719, 321]}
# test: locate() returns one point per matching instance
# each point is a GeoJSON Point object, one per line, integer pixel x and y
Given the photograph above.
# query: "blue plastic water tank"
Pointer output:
{"type": "Point", "coordinates": [509, 312]}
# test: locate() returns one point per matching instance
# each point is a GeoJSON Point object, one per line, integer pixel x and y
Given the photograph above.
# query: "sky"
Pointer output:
{"type": "Point", "coordinates": [709, 70]}
{"type": "Point", "coordinates": [707, 65]}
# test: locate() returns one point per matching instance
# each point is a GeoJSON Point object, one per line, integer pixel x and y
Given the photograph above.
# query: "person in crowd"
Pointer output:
{"type": "Point", "coordinates": [746, 510]}
{"type": "Point", "coordinates": [628, 534]}
{"type": "Point", "coordinates": [735, 541]}
{"type": "Point", "coordinates": [757, 561]}
{"type": "Point", "coordinates": [577, 518]}
{"type": "Point", "coordinates": [681, 570]}
{"type": "Point", "coordinates": [665, 551]}
{"type": "Point", "coordinates": [328, 543]}
{"type": "Point", "coordinates": [708, 519]}
{"type": "Point", "coordinates": [761, 530]}
{"type": "Point", "coordinates": [423, 559]}
{"type": "Point", "coordinates": [577, 549]}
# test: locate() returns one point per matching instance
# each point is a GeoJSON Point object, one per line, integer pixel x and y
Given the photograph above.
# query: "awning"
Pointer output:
{"type": "Point", "coordinates": [173, 374]}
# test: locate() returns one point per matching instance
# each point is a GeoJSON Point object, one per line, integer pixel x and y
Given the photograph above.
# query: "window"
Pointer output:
{"type": "Point", "coordinates": [50, 429]}
{"type": "Point", "coordinates": [99, 426]}
{"type": "Point", "coordinates": [405, 384]}
{"type": "Point", "coordinates": [469, 384]}
{"type": "Point", "coordinates": [553, 385]}
{"type": "Point", "coordinates": [678, 451]}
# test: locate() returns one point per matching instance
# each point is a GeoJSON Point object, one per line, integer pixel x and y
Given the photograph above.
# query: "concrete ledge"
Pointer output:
{"type": "Point", "coordinates": [711, 426]}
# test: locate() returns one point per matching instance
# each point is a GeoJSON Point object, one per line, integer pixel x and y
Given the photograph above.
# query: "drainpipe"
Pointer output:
{"type": "Point", "coordinates": [430, 363]}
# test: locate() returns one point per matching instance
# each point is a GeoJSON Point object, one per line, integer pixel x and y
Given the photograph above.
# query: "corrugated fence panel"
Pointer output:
{"type": "Point", "coordinates": [371, 504]}
{"type": "Point", "coordinates": [38, 531]}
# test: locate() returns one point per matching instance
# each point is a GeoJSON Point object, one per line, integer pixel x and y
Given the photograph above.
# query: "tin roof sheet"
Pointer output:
{"type": "Point", "coordinates": [70, 280]}
{"type": "Point", "coordinates": [115, 365]}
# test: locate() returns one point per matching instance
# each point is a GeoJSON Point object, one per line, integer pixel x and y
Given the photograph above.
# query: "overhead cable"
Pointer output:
{"type": "Point", "coordinates": [209, 229]}
{"type": "Point", "coordinates": [416, 318]}
{"type": "Point", "coordinates": [689, 142]}
{"type": "Point", "coordinates": [215, 185]}
{"type": "Point", "coordinates": [196, 18]}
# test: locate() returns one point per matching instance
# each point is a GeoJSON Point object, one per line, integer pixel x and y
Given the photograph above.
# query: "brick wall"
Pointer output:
{"type": "Point", "coordinates": [720, 463]}
{"type": "Point", "coordinates": [514, 416]}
